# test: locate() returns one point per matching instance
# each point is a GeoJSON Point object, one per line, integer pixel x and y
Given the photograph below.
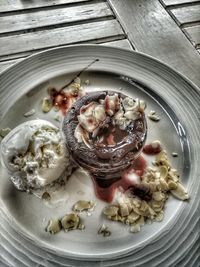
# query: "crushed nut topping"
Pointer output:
{"type": "Point", "coordinates": [145, 202]}
{"type": "Point", "coordinates": [54, 226]}
{"type": "Point", "coordinates": [83, 205]}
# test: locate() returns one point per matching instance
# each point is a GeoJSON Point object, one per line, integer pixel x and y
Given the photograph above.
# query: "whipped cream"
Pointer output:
{"type": "Point", "coordinates": [112, 109]}
{"type": "Point", "coordinates": [35, 154]}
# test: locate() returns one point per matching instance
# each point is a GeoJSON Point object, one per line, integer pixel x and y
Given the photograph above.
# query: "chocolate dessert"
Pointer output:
{"type": "Point", "coordinates": [105, 132]}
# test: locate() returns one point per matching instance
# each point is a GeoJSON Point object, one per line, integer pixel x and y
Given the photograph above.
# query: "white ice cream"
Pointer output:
{"type": "Point", "coordinates": [35, 154]}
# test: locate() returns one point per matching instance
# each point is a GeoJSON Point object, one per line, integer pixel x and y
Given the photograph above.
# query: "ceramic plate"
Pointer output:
{"type": "Point", "coordinates": [24, 217]}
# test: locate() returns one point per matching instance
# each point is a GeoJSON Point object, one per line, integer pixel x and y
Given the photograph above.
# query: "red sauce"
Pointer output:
{"type": "Point", "coordinates": [152, 149]}
{"type": "Point", "coordinates": [62, 100]}
{"type": "Point", "coordinates": [105, 188]}
{"type": "Point", "coordinates": [110, 136]}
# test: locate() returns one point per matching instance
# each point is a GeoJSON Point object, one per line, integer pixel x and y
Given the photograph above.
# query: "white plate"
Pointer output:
{"type": "Point", "coordinates": [24, 217]}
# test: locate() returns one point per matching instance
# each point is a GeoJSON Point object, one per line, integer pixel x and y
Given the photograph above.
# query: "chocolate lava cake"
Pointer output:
{"type": "Point", "coordinates": [105, 131]}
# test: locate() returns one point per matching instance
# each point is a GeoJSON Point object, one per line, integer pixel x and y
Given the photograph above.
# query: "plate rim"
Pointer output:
{"type": "Point", "coordinates": [194, 86]}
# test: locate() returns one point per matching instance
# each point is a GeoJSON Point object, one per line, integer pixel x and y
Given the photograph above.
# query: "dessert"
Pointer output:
{"type": "Point", "coordinates": [105, 132]}
{"type": "Point", "coordinates": [35, 155]}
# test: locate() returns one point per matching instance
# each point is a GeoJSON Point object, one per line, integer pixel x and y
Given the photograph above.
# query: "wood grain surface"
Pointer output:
{"type": "Point", "coordinates": [176, 2]}
{"type": "Point", "coordinates": [61, 36]}
{"type": "Point", "coordinates": [61, 15]}
{"type": "Point", "coordinates": [151, 30]}
{"type": "Point", "coordinates": [15, 5]}
{"type": "Point", "coordinates": [194, 35]}
{"type": "Point", "coordinates": [186, 14]}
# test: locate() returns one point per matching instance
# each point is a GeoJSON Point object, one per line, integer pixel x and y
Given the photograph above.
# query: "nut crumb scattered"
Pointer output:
{"type": "Point", "coordinates": [54, 226]}
{"type": "Point", "coordinates": [46, 196]}
{"type": "Point", "coordinates": [4, 132]}
{"type": "Point", "coordinates": [153, 117]}
{"type": "Point", "coordinates": [83, 205]}
{"type": "Point", "coordinates": [152, 112]}
{"type": "Point", "coordinates": [58, 118]}
{"type": "Point", "coordinates": [158, 182]}
{"type": "Point", "coordinates": [103, 230]}
{"type": "Point", "coordinates": [87, 82]}
{"type": "Point", "coordinates": [46, 104]}
{"type": "Point", "coordinates": [29, 113]}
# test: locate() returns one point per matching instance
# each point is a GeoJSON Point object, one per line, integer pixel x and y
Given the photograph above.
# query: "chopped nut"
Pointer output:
{"type": "Point", "coordinates": [180, 192]}
{"type": "Point", "coordinates": [152, 112]}
{"type": "Point", "coordinates": [83, 205]}
{"type": "Point", "coordinates": [158, 196]}
{"type": "Point", "coordinates": [111, 210]}
{"type": "Point", "coordinates": [123, 210]}
{"type": "Point", "coordinates": [153, 117]}
{"type": "Point", "coordinates": [4, 132]}
{"type": "Point", "coordinates": [135, 228]}
{"type": "Point", "coordinates": [163, 184]}
{"type": "Point", "coordinates": [29, 113]}
{"type": "Point", "coordinates": [104, 230]}
{"type": "Point", "coordinates": [87, 82]}
{"type": "Point", "coordinates": [46, 105]}
{"type": "Point", "coordinates": [70, 222]}
{"type": "Point", "coordinates": [46, 196]}
{"type": "Point", "coordinates": [132, 217]}
{"type": "Point", "coordinates": [159, 217]}
{"type": "Point", "coordinates": [133, 209]}
{"type": "Point", "coordinates": [163, 172]}
{"type": "Point", "coordinates": [141, 221]}
{"type": "Point", "coordinates": [54, 226]}
{"type": "Point", "coordinates": [172, 185]}
{"type": "Point", "coordinates": [57, 118]}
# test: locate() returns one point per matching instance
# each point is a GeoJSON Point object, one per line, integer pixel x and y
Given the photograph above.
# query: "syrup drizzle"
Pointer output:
{"type": "Point", "coordinates": [105, 188]}
{"type": "Point", "coordinates": [152, 149]}
{"type": "Point", "coordinates": [64, 100]}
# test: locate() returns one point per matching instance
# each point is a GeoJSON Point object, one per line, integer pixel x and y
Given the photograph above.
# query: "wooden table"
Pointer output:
{"type": "Point", "coordinates": [168, 30]}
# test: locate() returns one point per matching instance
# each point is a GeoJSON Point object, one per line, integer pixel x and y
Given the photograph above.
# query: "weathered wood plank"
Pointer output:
{"type": "Point", "coordinates": [120, 43]}
{"type": "Point", "coordinates": [177, 2]}
{"type": "Point", "coordinates": [53, 17]}
{"type": "Point", "coordinates": [186, 14]}
{"type": "Point", "coordinates": [151, 30]}
{"type": "Point", "coordinates": [14, 5]}
{"type": "Point", "coordinates": [60, 36]}
{"type": "Point", "coordinates": [193, 34]}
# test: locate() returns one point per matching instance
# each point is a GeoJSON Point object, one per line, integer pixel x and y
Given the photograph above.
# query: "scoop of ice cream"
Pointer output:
{"type": "Point", "coordinates": [35, 154]}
